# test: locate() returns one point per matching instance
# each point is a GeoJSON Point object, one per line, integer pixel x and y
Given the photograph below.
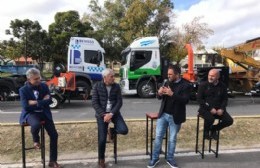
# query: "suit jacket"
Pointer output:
{"type": "Point", "coordinates": [179, 98]}
{"type": "Point", "coordinates": [100, 97]}
{"type": "Point", "coordinates": [26, 94]}
{"type": "Point", "coordinates": [210, 96]}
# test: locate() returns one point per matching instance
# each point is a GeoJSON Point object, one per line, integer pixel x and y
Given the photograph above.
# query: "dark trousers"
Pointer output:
{"type": "Point", "coordinates": [226, 120]}
{"type": "Point", "coordinates": [34, 120]}
{"type": "Point", "coordinates": [120, 128]}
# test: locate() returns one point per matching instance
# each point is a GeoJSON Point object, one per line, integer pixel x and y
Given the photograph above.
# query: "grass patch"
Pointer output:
{"type": "Point", "coordinates": [80, 140]}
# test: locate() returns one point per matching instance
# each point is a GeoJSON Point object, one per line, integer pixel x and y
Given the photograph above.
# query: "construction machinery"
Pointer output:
{"type": "Point", "coordinates": [244, 77]}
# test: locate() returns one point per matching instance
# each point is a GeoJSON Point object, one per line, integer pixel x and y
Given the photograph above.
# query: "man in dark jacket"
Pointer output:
{"type": "Point", "coordinates": [212, 97]}
{"type": "Point", "coordinates": [175, 95]}
{"type": "Point", "coordinates": [107, 101]}
{"type": "Point", "coordinates": [35, 100]}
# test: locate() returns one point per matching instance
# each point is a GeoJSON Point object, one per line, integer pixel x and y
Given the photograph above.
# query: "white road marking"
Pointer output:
{"type": "Point", "coordinates": [140, 102]}
{"type": "Point", "coordinates": [18, 112]}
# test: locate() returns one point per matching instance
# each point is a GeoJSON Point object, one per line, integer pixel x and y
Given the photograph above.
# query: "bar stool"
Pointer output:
{"type": "Point", "coordinates": [42, 142]}
{"type": "Point", "coordinates": [203, 140]}
{"type": "Point", "coordinates": [153, 116]}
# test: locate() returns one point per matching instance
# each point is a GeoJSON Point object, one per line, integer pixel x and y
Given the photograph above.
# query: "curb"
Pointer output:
{"type": "Point", "coordinates": [127, 120]}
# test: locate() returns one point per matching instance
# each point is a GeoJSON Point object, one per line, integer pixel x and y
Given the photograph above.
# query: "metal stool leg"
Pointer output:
{"type": "Point", "coordinates": [23, 147]}
{"type": "Point", "coordinates": [42, 142]}
{"type": "Point", "coordinates": [115, 148]}
{"type": "Point", "coordinates": [43, 145]}
{"type": "Point", "coordinates": [197, 135]}
{"type": "Point", "coordinates": [217, 146]}
{"type": "Point", "coordinates": [203, 144]}
{"type": "Point", "coordinates": [146, 137]}
{"type": "Point", "coordinates": [151, 138]}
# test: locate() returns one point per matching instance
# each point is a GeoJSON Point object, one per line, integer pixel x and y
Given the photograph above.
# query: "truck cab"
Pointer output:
{"type": "Point", "coordinates": [85, 55]}
{"type": "Point", "coordinates": [85, 64]}
{"type": "Point", "coordinates": [141, 67]}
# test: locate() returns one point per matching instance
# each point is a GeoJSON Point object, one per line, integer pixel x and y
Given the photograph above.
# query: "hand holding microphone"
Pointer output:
{"type": "Point", "coordinates": [165, 82]}
{"type": "Point", "coordinates": [165, 89]}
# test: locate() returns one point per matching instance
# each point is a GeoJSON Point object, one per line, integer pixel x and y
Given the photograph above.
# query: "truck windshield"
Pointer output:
{"type": "Point", "coordinates": [124, 56]}
{"type": "Point", "coordinates": [91, 56]}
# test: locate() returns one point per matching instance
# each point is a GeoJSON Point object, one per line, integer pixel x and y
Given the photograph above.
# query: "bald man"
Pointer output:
{"type": "Point", "coordinates": [212, 97]}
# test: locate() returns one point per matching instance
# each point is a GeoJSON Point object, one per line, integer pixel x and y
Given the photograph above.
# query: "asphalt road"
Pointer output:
{"type": "Point", "coordinates": [133, 108]}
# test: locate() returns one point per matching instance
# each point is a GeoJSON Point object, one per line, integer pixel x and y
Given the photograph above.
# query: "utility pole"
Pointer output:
{"type": "Point", "coordinates": [25, 46]}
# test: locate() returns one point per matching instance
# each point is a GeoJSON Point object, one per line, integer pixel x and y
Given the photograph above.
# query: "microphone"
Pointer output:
{"type": "Point", "coordinates": [165, 82]}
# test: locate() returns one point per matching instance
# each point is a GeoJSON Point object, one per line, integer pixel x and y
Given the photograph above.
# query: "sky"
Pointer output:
{"type": "Point", "coordinates": [232, 21]}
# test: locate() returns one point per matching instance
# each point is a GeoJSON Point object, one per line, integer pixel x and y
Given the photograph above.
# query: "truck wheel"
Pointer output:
{"type": "Point", "coordinates": [83, 88]}
{"type": "Point", "coordinates": [55, 102]}
{"type": "Point", "coordinates": [146, 89]}
{"type": "Point", "coordinates": [4, 93]}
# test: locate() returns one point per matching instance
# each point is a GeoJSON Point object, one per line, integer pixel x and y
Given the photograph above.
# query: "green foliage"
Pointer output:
{"type": "Point", "coordinates": [122, 21]}
{"type": "Point", "coordinates": [115, 25]}
{"type": "Point", "coordinates": [10, 49]}
{"type": "Point", "coordinates": [31, 41]}
{"type": "Point", "coordinates": [66, 25]}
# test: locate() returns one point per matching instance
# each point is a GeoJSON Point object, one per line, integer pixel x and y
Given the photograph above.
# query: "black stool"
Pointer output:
{"type": "Point", "coordinates": [42, 143]}
{"type": "Point", "coordinates": [151, 117]}
{"type": "Point", "coordinates": [203, 140]}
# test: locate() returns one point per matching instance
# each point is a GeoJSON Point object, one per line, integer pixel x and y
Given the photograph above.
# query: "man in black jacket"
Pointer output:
{"type": "Point", "coordinates": [175, 95]}
{"type": "Point", "coordinates": [212, 97]}
{"type": "Point", "coordinates": [107, 101]}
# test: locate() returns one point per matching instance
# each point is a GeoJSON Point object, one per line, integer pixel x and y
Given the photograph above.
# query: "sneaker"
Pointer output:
{"type": "Point", "coordinates": [172, 163]}
{"type": "Point", "coordinates": [153, 163]}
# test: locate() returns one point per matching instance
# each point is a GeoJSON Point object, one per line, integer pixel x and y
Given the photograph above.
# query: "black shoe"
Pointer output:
{"type": "Point", "coordinates": [111, 135]}
{"type": "Point", "coordinates": [206, 135]}
{"type": "Point", "coordinates": [214, 134]}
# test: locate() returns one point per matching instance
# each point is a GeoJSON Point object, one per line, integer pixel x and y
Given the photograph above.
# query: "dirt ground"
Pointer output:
{"type": "Point", "coordinates": [79, 140]}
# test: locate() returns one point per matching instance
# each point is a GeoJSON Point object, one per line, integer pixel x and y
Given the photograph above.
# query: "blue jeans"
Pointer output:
{"type": "Point", "coordinates": [120, 128]}
{"type": "Point", "coordinates": [161, 126]}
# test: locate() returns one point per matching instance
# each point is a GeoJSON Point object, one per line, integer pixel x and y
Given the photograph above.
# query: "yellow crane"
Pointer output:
{"type": "Point", "coordinates": [243, 79]}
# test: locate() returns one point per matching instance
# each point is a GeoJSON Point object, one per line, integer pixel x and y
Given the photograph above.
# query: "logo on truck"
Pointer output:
{"type": "Point", "coordinates": [147, 42]}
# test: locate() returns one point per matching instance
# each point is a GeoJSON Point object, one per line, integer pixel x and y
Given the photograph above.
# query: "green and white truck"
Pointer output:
{"type": "Point", "coordinates": [142, 67]}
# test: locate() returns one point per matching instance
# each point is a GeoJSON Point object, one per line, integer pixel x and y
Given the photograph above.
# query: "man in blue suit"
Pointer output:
{"type": "Point", "coordinates": [35, 100]}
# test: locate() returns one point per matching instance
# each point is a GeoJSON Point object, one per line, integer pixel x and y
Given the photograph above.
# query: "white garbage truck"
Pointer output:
{"type": "Point", "coordinates": [84, 67]}
{"type": "Point", "coordinates": [142, 68]}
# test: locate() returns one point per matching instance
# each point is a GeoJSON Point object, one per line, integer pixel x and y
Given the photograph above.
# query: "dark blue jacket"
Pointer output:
{"type": "Point", "coordinates": [179, 99]}
{"type": "Point", "coordinates": [26, 94]}
{"type": "Point", "coordinates": [100, 97]}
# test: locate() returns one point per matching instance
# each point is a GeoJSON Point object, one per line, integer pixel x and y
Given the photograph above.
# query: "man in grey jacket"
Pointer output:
{"type": "Point", "coordinates": [107, 101]}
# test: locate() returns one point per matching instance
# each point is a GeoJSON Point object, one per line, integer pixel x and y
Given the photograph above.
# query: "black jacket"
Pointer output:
{"type": "Point", "coordinates": [179, 99]}
{"type": "Point", "coordinates": [210, 96]}
{"type": "Point", "coordinates": [100, 97]}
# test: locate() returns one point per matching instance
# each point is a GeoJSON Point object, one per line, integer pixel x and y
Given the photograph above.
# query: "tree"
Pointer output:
{"type": "Point", "coordinates": [10, 49]}
{"type": "Point", "coordinates": [122, 21]}
{"type": "Point", "coordinates": [192, 32]}
{"type": "Point", "coordinates": [66, 25]}
{"type": "Point", "coordinates": [23, 30]}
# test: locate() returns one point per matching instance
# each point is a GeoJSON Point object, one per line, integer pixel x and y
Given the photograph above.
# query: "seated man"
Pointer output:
{"type": "Point", "coordinates": [35, 100]}
{"type": "Point", "coordinates": [212, 97]}
{"type": "Point", "coordinates": [107, 102]}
